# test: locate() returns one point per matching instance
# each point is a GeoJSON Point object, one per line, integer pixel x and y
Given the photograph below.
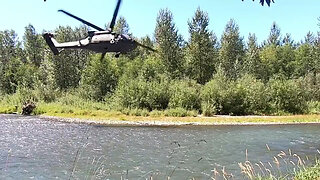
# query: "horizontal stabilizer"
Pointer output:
{"type": "Point", "coordinates": [51, 42]}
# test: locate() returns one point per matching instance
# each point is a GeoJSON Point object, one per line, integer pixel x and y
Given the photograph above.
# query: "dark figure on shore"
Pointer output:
{"type": "Point", "coordinates": [28, 107]}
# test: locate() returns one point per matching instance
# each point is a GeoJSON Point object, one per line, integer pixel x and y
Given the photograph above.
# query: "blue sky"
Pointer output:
{"type": "Point", "coordinates": [296, 18]}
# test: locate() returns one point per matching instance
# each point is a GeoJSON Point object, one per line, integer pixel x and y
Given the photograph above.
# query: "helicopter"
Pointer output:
{"type": "Point", "coordinates": [102, 41]}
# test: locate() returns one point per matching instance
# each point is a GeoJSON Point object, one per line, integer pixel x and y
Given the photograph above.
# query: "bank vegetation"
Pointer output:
{"type": "Point", "coordinates": [203, 75]}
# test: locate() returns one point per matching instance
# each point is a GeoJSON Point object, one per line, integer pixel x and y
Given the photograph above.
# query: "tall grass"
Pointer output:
{"type": "Point", "coordinates": [285, 165]}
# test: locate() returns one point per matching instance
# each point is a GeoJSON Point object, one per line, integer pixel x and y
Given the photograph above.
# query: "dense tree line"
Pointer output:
{"type": "Point", "coordinates": [229, 75]}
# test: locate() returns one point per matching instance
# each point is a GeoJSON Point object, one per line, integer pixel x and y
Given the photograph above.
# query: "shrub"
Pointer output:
{"type": "Point", "coordinates": [185, 94]}
{"type": "Point", "coordinates": [255, 95]}
{"type": "Point", "coordinates": [311, 86]}
{"type": "Point", "coordinates": [314, 107]}
{"type": "Point", "coordinates": [233, 100]}
{"type": "Point", "coordinates": [286, 96]}
{"type": "Point", "coordinates": [212, 95]}
{"type": "Point", "coordinates": [100, 77]}
{"type": "Point", "coordinates": [244, 96]}
{"type": "Point", "coordinates": [141, 94]}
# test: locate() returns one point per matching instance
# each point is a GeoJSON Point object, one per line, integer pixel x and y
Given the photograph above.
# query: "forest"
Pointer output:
{"type": "Point", "coordinates": [203, 74]}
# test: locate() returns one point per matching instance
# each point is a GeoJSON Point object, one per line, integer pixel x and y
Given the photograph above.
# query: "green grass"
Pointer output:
{"type": "Point", "coordinates": [71, 106]}
{"type": "Point", "coordinates": [312, 173]}
{"type": "Point", "coordinates": [100, 112]}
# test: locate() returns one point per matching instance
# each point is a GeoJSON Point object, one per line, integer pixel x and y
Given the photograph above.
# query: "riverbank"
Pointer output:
{"type": "Point", "coordinates": [125, 120]}
{"type": "Point", "coordinates": [57, 112]}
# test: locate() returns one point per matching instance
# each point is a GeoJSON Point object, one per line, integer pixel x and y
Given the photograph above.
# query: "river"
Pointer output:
{"type": "Point", "coordinates": [35, 148]}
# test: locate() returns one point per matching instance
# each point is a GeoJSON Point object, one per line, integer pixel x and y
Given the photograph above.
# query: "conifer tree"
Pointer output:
{"type": "Point", "coordinates": [33, 45]}
{"type": "Point", "coordinates": [304, 62]}
{"type": "Point", "coordinates": [201, 53]}
{"type": "Point", "coordinates": [232, 50]}
{"type": "Point", "coordinates": [252, 64]}
{"type": "Point", "coordinates": [121, 26]}
{"type": "Point", "coordinates": [169, 42]}
{"type": "Point", "coordinates": [275, 35]}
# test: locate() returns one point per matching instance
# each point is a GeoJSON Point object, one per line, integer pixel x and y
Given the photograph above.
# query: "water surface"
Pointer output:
{"type": "Point", "coordinates": [33, 148]}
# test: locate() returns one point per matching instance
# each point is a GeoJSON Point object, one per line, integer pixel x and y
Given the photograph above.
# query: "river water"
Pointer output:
{"type": "Point", "coordinates": [33, 148]}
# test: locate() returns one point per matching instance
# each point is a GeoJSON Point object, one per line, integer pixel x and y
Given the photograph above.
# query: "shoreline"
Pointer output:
{"type": "Point", "coordinates": [179, 122]}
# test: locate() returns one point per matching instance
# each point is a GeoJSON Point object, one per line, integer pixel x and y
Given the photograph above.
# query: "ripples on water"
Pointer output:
{"type": "Point", "coordinates": [34, 148]}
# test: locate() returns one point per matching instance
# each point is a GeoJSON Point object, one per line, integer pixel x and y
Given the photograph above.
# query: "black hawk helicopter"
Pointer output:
{"type": "Point", "coordinates": [101, 41]}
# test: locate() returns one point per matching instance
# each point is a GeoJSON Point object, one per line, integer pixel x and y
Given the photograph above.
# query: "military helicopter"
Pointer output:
{"type": "Point", "coordinates": [101, 41]}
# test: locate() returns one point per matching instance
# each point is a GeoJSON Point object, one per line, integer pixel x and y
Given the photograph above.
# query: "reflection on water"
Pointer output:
{"type": "Point", "coordinates": [34, 148]}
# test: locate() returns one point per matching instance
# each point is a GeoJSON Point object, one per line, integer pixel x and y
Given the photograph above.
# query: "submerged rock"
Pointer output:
{"type": "Point", "coordinates": [28, 107]}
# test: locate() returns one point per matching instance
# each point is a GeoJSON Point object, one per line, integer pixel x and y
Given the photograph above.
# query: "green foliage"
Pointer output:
{"type": "Point", "coordinates": [121, 26]}
{"type": "Point", "coordinates": [183, 79]}
{"type": "Point", "coordinates": [100, 77]}
{"type": "Point", "coordinates": [314, 107]}
{"type": "Point", "coordinates": [69, 65]}
{"type": "Point", "coordinates": [212, 94]}
{"type": "Point", "coordinates": [152, 68]}
{"type": "Point", "coordinates": [33, 46]}
{"type": "Point", "coordinates": [141, 94]}
{"type": "Point", "coordinates": [201, 53]}
{"type": "Point", "coordinates": [169, 42]}
{"type": "Point", "coordinates": [275, 35]}
{"type": "Point", "coordinates": [286, 96]}
{"type": "Point", "coordinates": [252, 62]}
{"type": "Point", "coordinates": [305, 62]}
{"type": "Point", "coordinates": [311, 173]}
{"type": "Point", "coordinates": [184, 94]}
{"type": "Point", "coordinates": [256, 95]}
{"type": "Point", "coordinates": [232, 50]}
{"type": "Point", "coordinates": [247, 95]}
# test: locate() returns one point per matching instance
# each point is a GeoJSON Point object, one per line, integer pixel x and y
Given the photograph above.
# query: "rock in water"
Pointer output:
{"type": "Point", "coordinates": [28, 107]}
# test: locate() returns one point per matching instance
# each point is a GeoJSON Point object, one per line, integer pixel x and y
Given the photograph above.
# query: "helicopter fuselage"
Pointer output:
{"type": "Point", "coordinates": [102, 42]}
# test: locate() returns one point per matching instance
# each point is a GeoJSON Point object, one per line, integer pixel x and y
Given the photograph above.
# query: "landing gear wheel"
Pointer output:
{"type": "Point", "coordinates": [117, 55]}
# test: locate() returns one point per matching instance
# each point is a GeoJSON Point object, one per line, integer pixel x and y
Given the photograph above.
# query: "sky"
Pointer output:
{"type": "Point", "coordinates": [296, 17]}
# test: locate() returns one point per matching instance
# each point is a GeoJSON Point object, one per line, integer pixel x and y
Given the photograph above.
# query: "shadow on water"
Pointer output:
{"type": "Point", "coordinates": [39, 149]}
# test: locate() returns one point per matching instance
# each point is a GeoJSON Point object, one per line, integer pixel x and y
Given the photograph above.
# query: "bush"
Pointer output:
{"type": "Point", "coordinates": [185, 94]}
{"type": "Point", "coordinates": [233, 100]}
{"type": "Point", "coordinates": [245, 96]}
{"type": "Point", "coordinates": [212, 95]}
{"type": "Point", "coordinates": [314, 107]}
{"type": "Point", "coordinates": [311, 86]}
{"type": "Point", "coordinates": [286, 96]}
{"type": "Point", "coordinates": [255, 95]}
{"type": "Point", "coordinates": [100, 77]}
{"type": "Point", "coordinates": [141, 94]}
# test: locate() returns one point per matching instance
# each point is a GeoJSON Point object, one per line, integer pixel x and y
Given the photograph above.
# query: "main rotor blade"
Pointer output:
{"type": "Point", "coordinates": [81, 20]}
{"type": "Point", "coordinates": [115, 14]}
{"type": "Point", "coordinates": [144, 46]}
